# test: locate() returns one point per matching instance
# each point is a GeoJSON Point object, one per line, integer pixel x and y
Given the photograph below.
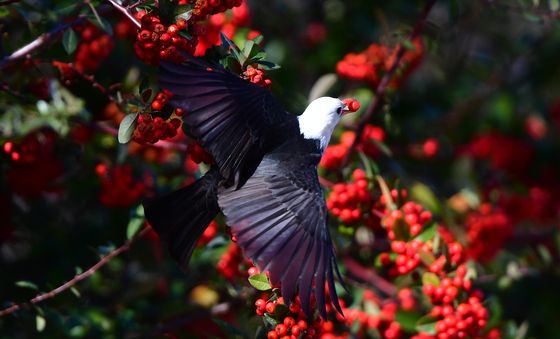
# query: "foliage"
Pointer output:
{"type": "Point", "coordinates": [442, 188]}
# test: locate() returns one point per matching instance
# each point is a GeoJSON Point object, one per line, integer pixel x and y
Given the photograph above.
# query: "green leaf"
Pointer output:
{"type": "Point", "coordinates": [427, 234]}
{"type": "Point", "coordinates": [429, 278]}
{"type": "Point", "coordinates": [554, 5]}
{"type": "Point", "coordinates": [426, 257]}
{"type": "Point", "coordinates": [230, 45]}
{"type": "Point", "coordinates": [75, 291]}
{"type": "Point", "coordinates": [258, 39]}
{"type": "Point", "coordinates": [269, 319]}
{"type": "Point", "coordinates": [426, 324]}
{"type": "Point", "coordinates": [133, 226]}
{"type": "Point", "coordinates": [40, 323]}
{"type": "Point", "coordinates": [69, 41]}
{"type": "Point", "coordinates": [185, 15]}
{"type": "Point", "coordinates": [386, 193]}
{"type": "Point", "coordinates": [382, 147]}
{"type": "Point", "coordinates": [248, 48]}
{"type": "Point", "coordinates": [26, 284]}
{"type": "Point", "coordinates": [260, 282]}
{"type": "Point", "coordinates": [126, 128]}
{"type": "Point", "coordinates": [409, 45]}
{"type": "Point", "coordinates": [101, 23]}
{"type": "Point", "coordinates": [407, 320]}
{"type": "Point", "coordinates": [267, 65]}
{"type": "Point", "coordinates": [424, 195]}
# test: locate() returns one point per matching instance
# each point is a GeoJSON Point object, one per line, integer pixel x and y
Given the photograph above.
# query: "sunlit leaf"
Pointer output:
{"type": "Point", "coordinates": [126, 128]}
{"type": "Point", "coordinates": [69, 41]}
{"type": "Point", "coordinates": [260, 282]}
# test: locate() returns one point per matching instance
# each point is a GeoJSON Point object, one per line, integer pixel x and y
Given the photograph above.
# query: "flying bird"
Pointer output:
{"type": "Point", "coordinates": [264, 179]}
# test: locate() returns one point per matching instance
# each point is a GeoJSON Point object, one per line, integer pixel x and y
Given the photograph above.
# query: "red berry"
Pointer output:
{"type": "Point", "coordinates": [281, 329]}
{"type": "Point", "coordinates": [270, 307]}
{"type": "Point", "coordinates": [289, 322]}
{"type": "Point", "coordinates": [156, 105]}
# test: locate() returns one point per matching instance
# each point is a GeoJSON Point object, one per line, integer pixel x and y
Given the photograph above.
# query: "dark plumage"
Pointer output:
{"type": "Point", "coordinates": [264, 180]}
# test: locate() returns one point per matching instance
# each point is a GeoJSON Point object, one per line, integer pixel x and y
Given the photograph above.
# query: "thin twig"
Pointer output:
{"type": "Point", "coordinates": [39, 41]}
{"type": "Point", "coordinates": [8, 2]}
{"type": "Point", "coordinates": [125, 12]}
{"type": "Point", "coordinates": [78, 277]}
{"type": "Point", "coordinates": [381, 89]}
{"type": "Point", "coordinates": [369, 276]}
{"type": "Point", "coordinates": [91, 79]}
{"type": "Point", "coordinates": [136, 4]}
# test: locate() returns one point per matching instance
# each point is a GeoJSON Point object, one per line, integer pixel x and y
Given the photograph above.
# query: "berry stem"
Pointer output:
{"type": "Point", "coordinates": [77, 278]}
{"type": "Point", "coordinates": [125, 12]}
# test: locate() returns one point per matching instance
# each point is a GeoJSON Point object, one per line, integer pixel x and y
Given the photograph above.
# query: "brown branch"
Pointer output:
{"type": "Point", "coordinates": [78, 277]}
{"type": "Point", "coordinates": [8, 2]}
{"type": "Point", "coordinates": [369, 276]}
{"type": "Point", "coordinates": [381, 89]}
{"type": "Point", "coordinates": [40, 41]}
{"type": "Point", "coordinates": [91, 79]}
{"type": "Point", "coordinates": [125, 12]}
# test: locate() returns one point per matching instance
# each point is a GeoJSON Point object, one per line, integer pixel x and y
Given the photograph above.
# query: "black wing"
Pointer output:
{"type": "Point", "coordinates": [280, 220]}
{"type": "Point", "coordinates": [235, 120]}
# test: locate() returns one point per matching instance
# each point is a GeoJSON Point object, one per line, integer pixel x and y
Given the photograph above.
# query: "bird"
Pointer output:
{"type": "Point", "coordinates": [264, 179]}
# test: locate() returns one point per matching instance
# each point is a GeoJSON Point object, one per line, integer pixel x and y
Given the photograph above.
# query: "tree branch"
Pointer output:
{"type": "Point", "coordinates": [125, 12]}
{"type": "Point", "coordinates": [8, 2]}
{"type": "Point", "coordinates": [381, 89]}
{"type": "Point", "coordinates": [78, 277]}
{"type": "Point", "coordinates": [369, 276]}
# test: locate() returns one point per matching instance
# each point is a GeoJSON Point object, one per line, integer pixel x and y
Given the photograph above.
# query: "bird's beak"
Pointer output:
{"type": "Point", "coordinates": [346, 110]}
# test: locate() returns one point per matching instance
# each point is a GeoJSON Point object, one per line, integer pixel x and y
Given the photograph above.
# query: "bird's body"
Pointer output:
{"type": "Point", "coordinates": [264, 181]}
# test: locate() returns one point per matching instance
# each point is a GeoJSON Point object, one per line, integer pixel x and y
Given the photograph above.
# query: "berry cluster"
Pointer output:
{"type": "Point", "coordinates": [208, 32]}
{"type": "Point", "coordinates": [384, 321]}
{"type": "Point", "coordinates": [467, 320]}
{"type": "Point", "coordinates": [336, 153]}
{"type": "Point", "coordinates": [162, 98]}
{"type": "Point", "coordinates": [256, 76]}
{"type": "Point", "coordinates": [406, 222]}
{"type": "Point", "coordinates": [204, 8]}
{"type": "Point", "coordinates": [155, 41]}
{"type": "Point", "coordinates": [371, 64]}
{"type": "Point", "coordinates": [229, 262]}
{"type": "Point", "coordinates": [351, 202]}
{"type": "Point", "coordinates": [446, 290]}
{"type": "Point", "coordinates": [152, 130]}
{"type": "Point", "coordinates": [118, 187]}
{"type": "Point", "coordinates": [34, 154]}
{"type": "Point", "coordinates": [487, 231]}
{"type": "Point", "coordinates": [291, 321]}
{"type": "Point", "coordinates": [94, 47]}
{"type": "Point", "coordinates": [504, 153]}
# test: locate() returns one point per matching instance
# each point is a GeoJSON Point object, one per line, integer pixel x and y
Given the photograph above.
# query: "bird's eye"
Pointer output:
{"type": "Point", "coordinates": [339, 110]}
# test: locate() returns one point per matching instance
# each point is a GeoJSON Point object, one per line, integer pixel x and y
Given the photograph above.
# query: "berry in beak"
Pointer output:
{"type": "Point", "coordinates": [351, 105]}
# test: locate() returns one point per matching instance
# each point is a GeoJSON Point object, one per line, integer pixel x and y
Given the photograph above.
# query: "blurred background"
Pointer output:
{"type": "Point", "coordinates": [468, 123]}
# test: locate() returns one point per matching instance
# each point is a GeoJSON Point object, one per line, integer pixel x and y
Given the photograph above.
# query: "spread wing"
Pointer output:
{"type": "Point", "coordinates": [280, 220]}
{"type": "Point", "coordinates": [234, 119]}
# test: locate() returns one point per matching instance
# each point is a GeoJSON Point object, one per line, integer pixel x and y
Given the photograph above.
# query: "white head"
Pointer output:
{"type": "Point", "coordinates": [320, 118]}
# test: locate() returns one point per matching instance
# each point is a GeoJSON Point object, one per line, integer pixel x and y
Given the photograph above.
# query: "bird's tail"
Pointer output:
{"type": "Point", "coordinates": [181, 217]}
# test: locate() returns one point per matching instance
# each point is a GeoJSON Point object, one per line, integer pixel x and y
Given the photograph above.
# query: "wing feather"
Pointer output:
{"type": "Point", "coordinates": [279, 218]}
{"type": "Point", "coordinates": [234, 119]}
